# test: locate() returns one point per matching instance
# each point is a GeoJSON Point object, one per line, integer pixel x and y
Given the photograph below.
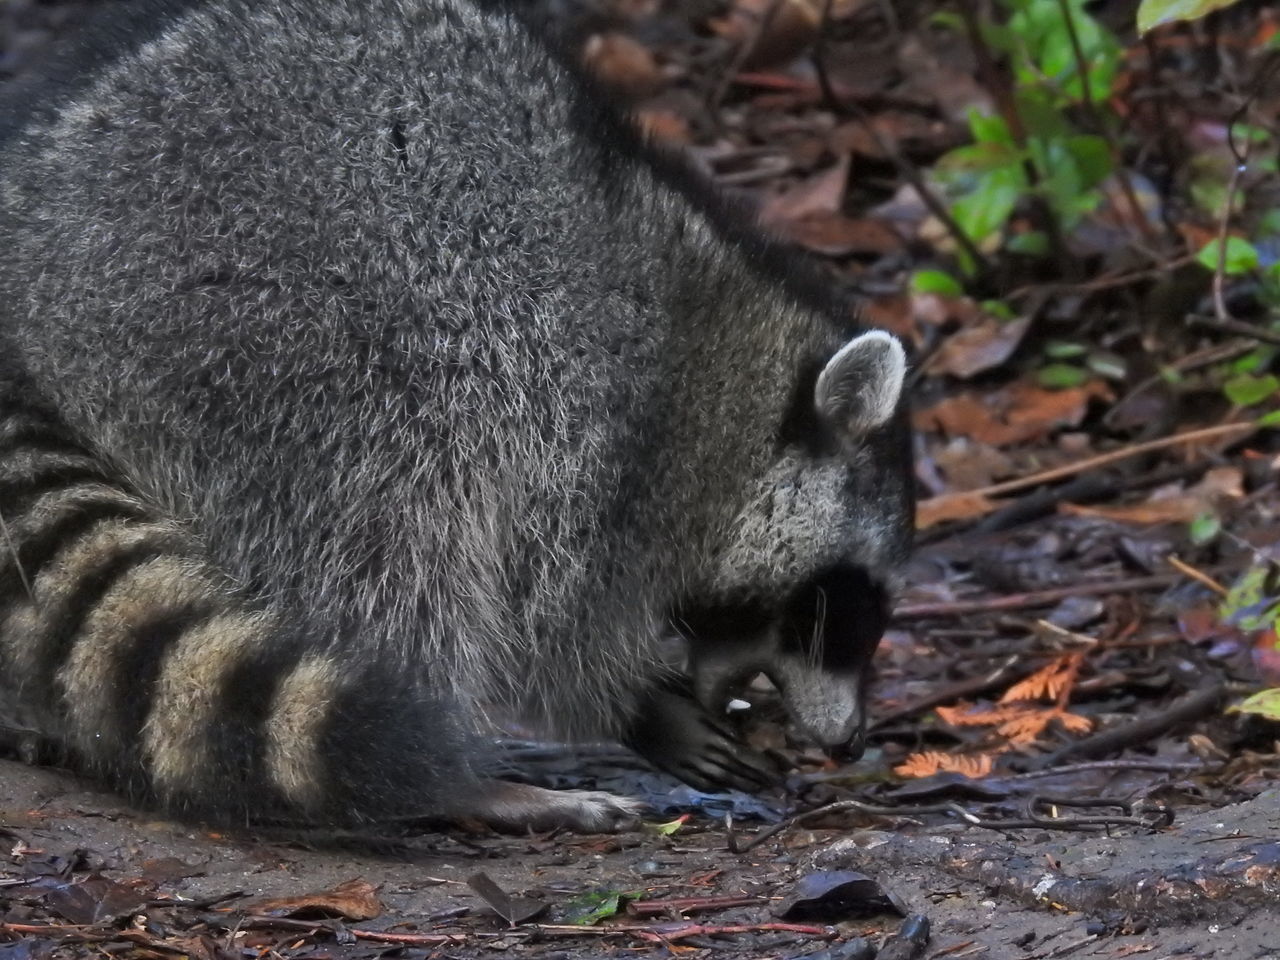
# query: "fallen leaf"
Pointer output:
{"type": "Point", "coordinates": [1171, 505]}
{"type": "Point", "coordinates": [1264, 704]}
{"type": "Point", "coordinates": [94, 900]}
{"type": "Point", "coordinates": [821, 193]}
{"type": "Point", "coordinates": [1180, 510]}
{"type": "Point", "coordinates": [835, 235]}
{"type": "Point", "coordinates": [777, 30]}
{"type": "Point", "coordinates": [514, 910]}
{"type": "Point", "coordinates": [1048, 683]}
{"type": "Point", "coordinates": [979, 347]}
{"type": "Point", "coordinates": [931, 762]}
{"type": "Point", "coordinates": [663, 125]}
{"type": "Point", "coordinates": [623, 64]}
{"type": "Point", "coordinates": [1266, 656]}
{"type": "Point", "coordinates": [952, 506]}
{"type": "Point", "coordinates": [969, 465]}
{"type": "Point", "coordinates": [836, 895]}
{"type": "Point", "coordinates": [1017, 414]}
{"type": "Point", "coordinates": [353, 900]}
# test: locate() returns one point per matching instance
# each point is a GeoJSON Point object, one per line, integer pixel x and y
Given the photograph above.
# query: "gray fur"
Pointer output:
{"type": "Point", "coordinates": [457, 386]}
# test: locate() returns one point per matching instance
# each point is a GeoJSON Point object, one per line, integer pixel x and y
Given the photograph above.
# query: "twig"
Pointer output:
{"type": "Point", "coordinates": [1104, 282]}
{"type": "Point", "coordinates": [1091, 108]}
{"type": "Point", "coordinates": [1233, 183]}
{"type": "Point", "coordinates": [906, 169]}
{"type": "Point", "coordinates": [1069, 769]}
{"type": "Point", "coordinates": [1102, 459]}
{"type": "Point", "coordinates": [744, 51]}
{"type": "Point", "coordinates": [956, 810]}
{"type": "Point", "coordinates": [1033, 598]}
{"type": "Point", "coordinates": [259, 921]}
{"type": "Point", "coordinates": [1228, 325]}
{"type": "Point", "coordinates": [1191, 706]}
{"type": "Point", "coordinates": [1218, 353]}
{"type": "Point", "coordinates": [680, 930]}
{"type": "Point", "coordinates": [649, 908]}
{"type": "Point", "coordinates": [1012, 669]}
{"type": "Point", "coordinates": [1198, 576]}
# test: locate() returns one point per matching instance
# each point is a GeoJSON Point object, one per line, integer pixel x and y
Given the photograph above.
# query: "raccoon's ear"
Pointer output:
{"type": "Point", "coordinates": [858, 390]}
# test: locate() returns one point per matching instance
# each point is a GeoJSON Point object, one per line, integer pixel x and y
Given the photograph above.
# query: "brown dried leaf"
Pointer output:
{"type": "Point", "coordinates": [952, 506]}
{"type": "Point", "coordinates": [1047, 683]}
{"type": "Point", "coordinates": [821, 193]}
{"type": "Point", "coordinates": [353, 900]}
{"type": "Point", "coordinates": [623, 64]}
{"type": "Point", "coordinates": [1170, 505]}
{"type": "Point", "coordinates": [778, 30]}
{"type": "Point", "coordinates": [1027, 725]}
{"type": "Point", "coordinates": [969, 465]}
{"type": "Point", "coordinates": [1016, 414]}
{"type": "Point", "coordinates": [1073, 722]}
{"type": "Point", "coordinates": [979, 347]}
{"type": "Point", "coordinates": [928, 763]}
{"type": "Point", "coordinates": [835, 235]}
{"type": "Point", "coordinates": [1178, 510]}
{"type": "Point", "coordinates": [663, 125]}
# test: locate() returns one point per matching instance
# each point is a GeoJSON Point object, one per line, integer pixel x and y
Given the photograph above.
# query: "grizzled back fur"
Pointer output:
{"type": "Point", "coordinates": [449, 392]}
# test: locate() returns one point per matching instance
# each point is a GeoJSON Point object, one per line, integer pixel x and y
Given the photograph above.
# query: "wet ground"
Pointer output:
{"type": "Point", "coordinates": [1206, 887]}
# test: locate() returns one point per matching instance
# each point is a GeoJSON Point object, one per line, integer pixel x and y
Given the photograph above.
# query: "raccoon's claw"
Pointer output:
{"type": "Point", "coordinates": [675, 734]}
{"type": "Point", "coordinates": [520, 807]}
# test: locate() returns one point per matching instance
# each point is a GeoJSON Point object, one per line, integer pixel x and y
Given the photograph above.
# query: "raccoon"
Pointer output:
{"type": "Point", "coordinates": [365, 378]}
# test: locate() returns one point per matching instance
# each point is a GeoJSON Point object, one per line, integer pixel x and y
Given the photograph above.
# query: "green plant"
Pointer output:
{"type": "Point", "coordinates": [1059, 60]}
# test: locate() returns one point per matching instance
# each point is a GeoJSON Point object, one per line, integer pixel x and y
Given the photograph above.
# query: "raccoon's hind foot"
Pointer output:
{"type": "Point", "coordinates": [521, 807]}
{"type": "Point", "coordinates": [674, 733]}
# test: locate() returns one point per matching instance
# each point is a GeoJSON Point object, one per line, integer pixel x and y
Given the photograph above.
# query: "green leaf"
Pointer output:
{"type": "Point", "coordinates": [1248, 604]}
{"type": "Point", "coordinates": [1264, 704]}
{"type": "Point", "coordinates": [668, 828]}
{"type": "Point", "coordinates": [1253, 361]}
{"type": "Point", "coordinates": [1271, 419]}
{"type": "Point", "coordinates": [1059, 376]}
{"type": "Point", "coordinates": [1246, 390]}
{"type": "Point", "coordinates": [1241, 257]}
{"type": "Point", "coordinates": [1269, 222]}
{"type": "Point", "coordinates": [1107, 365]}
{"type": "Point", "coordinates": [1064, 349]}
{"type": "Point", "coordinates": [984, 211]}
{"type": "Point", "coordinates": [1153, 13]}
{"type": "Point", "coordinates": [1092, 157]}
{"type": "Point", "coordinates": [1032, 243]}
{"type": "Point", "coordinates": [587, 909]}
{"type": "Point", "coordinates": [1204, 528]}
{"type": "Point", "coordinates": [990, 128]}
{"type": "Point", "coordinates": [936, 281]}
{"type": "Point", "coordinates": [999, 309]}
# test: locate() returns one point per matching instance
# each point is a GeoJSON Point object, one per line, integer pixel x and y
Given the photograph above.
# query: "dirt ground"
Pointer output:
{"type": "Point", "coordinates": [1204, 888]}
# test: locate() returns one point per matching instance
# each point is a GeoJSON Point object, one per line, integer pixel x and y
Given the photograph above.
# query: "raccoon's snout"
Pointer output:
{"type": "Point", "coordinates": [827, 705]}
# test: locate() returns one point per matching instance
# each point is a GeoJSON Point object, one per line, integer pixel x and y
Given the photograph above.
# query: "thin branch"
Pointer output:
{"type": "Point", "coordinates": [907, 170]}
{"type": "Point", "coordinates": [1218, 432]}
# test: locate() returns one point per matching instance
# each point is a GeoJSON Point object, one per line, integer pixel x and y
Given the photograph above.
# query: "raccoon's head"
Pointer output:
{"type": "Point", "coordinates": [801, 591]}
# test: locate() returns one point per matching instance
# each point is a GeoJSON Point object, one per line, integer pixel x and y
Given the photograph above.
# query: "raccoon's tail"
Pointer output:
{"type": "Point", "coordinates": [123, 645]}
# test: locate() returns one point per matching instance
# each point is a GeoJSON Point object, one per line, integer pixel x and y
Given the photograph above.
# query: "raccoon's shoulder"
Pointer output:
{"type": "Point", "coordinates": [69, 66]}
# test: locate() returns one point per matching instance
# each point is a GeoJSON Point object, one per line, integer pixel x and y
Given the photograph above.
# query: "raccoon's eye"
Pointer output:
{"type": "Point", "coordinates": [837, 617]}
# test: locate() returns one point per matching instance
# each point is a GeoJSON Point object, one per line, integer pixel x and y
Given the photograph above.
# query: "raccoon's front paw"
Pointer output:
{"type": "Point", "coordinates": [520, 807]}
{"type": "Point", "coordinates": [674, 733]}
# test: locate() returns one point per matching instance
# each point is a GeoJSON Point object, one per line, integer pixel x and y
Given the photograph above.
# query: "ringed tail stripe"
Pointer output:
{"type": "Point", "coordinates": [39, 631]}
{"type": "Point", "coordinates": [105, 680]}
{"type": "Point", "coordinates": [50, 522]}
{"type": "Point", "coordinates": [185, 731]}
